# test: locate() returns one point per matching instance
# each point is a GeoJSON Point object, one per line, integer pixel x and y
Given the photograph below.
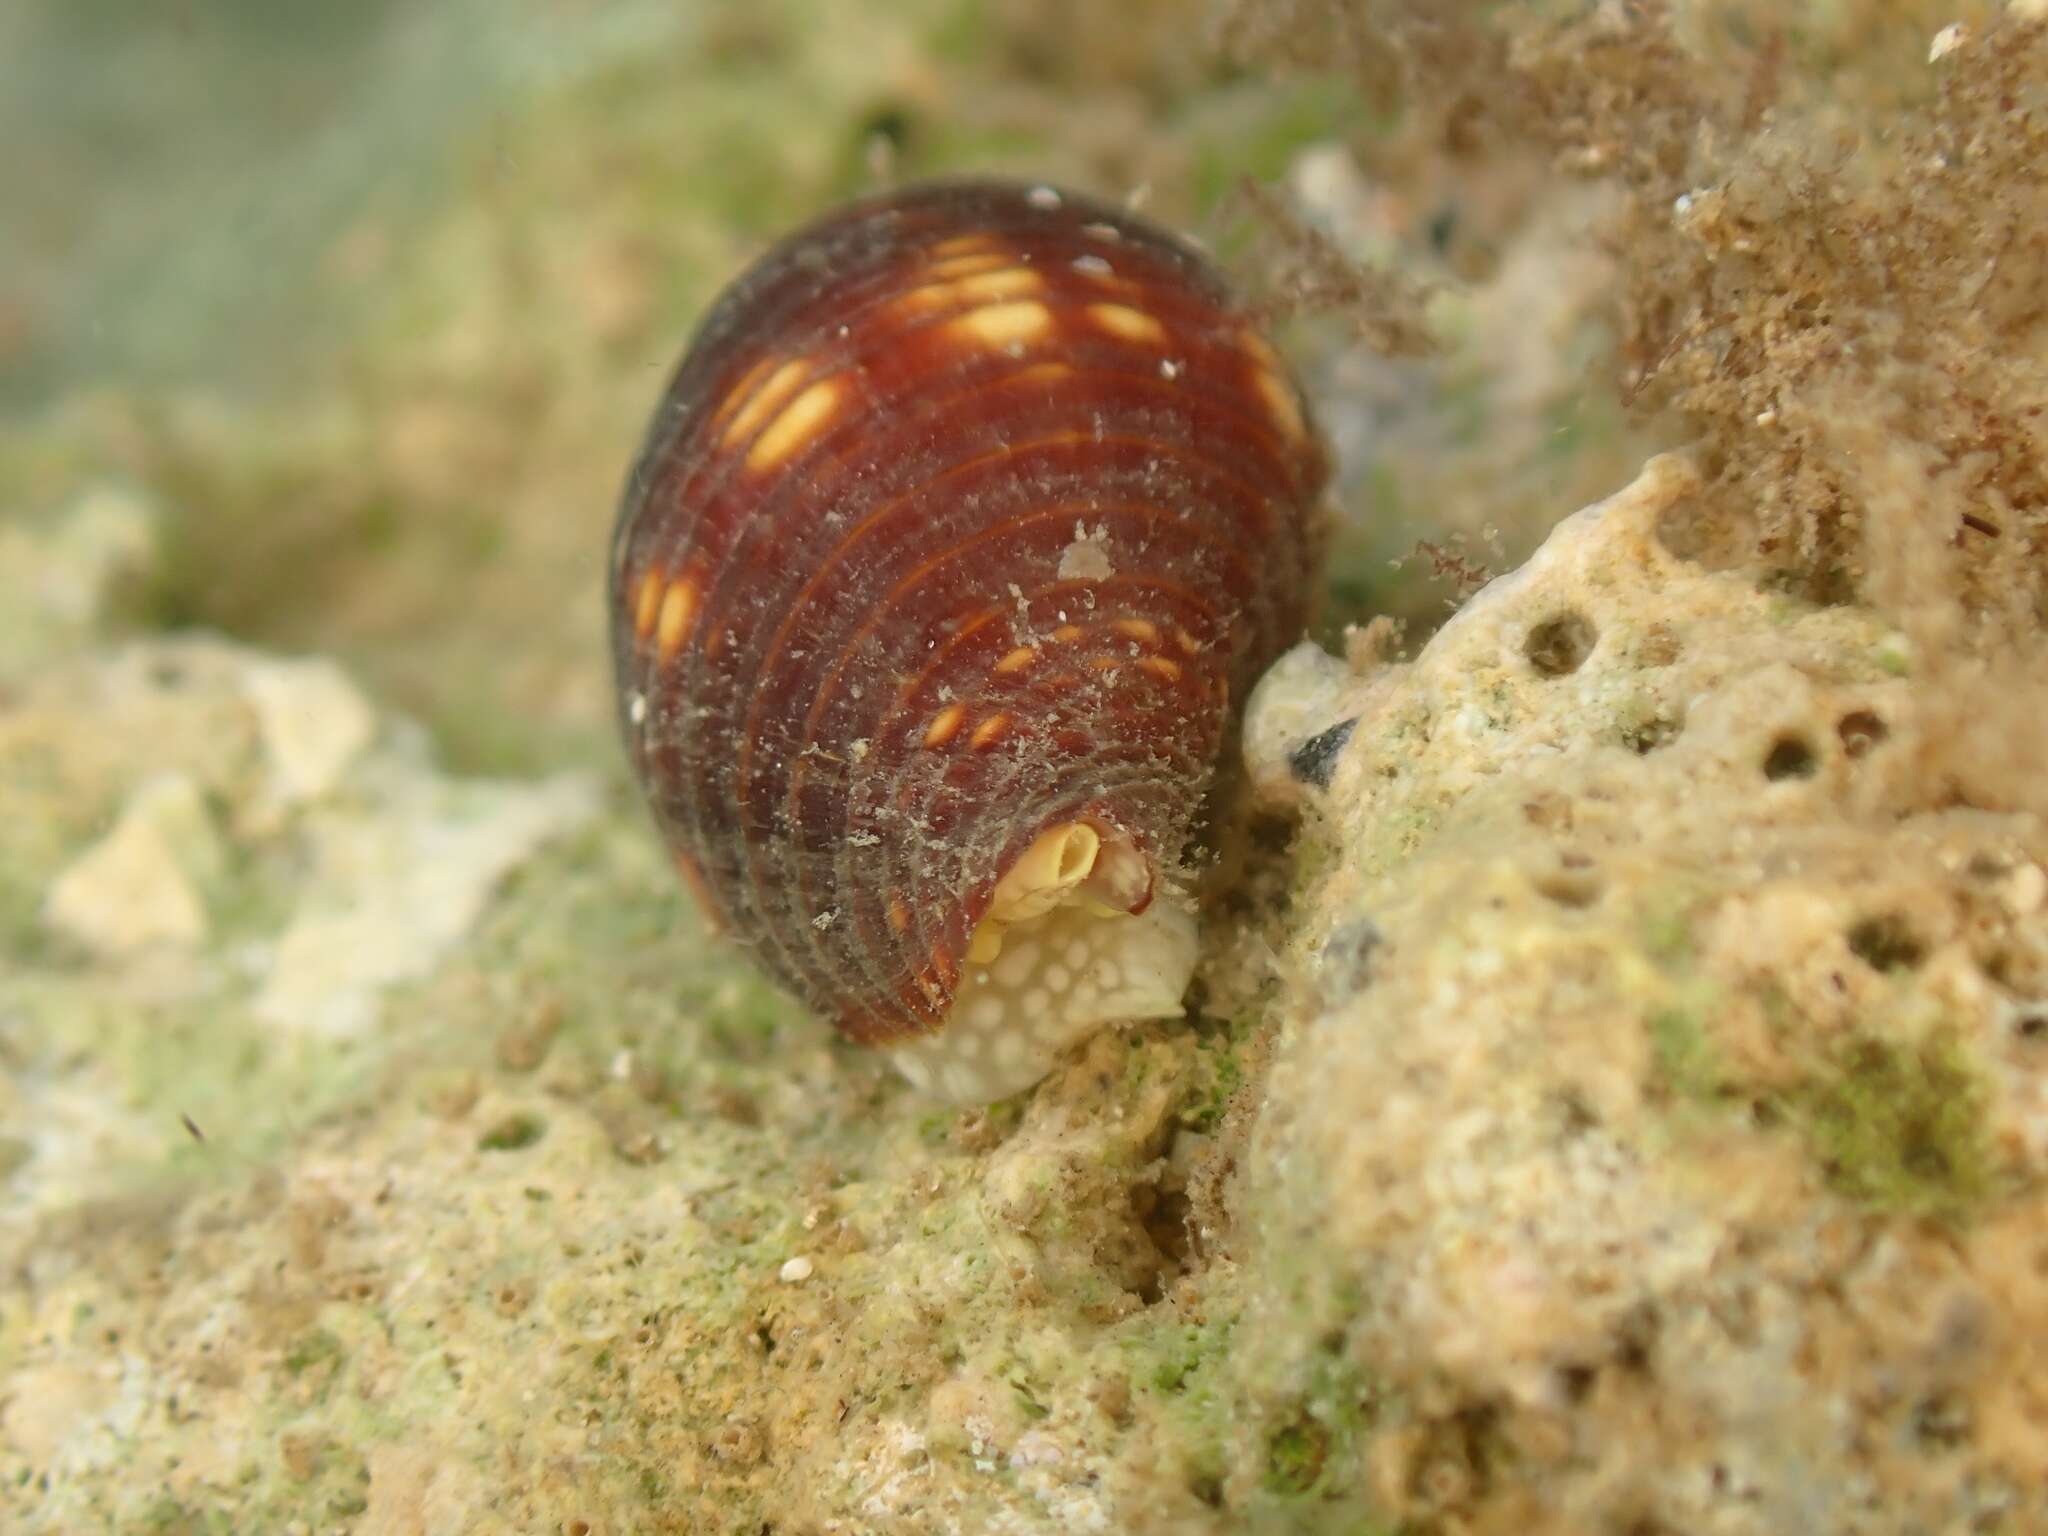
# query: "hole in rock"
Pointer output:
{"type": "Point", "coordinates": [1885, 943]}
{"type": "Point", "coordinates": [1558, 647]}
{"type": "Point", "coordinates": [1861, 730]}
{"type": "Point", "coordinates": [1790, 757]}
{"type": "Point", "coordinates": [1575, 1382]}
{"type": "Point", "coordinates": [512, 1133]}
{"type": "Point", "coordinates": [1577, 888]}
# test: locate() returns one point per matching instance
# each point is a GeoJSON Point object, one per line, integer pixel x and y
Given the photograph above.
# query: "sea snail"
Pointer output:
{"type": "Point", "coordinates": [967, 514]}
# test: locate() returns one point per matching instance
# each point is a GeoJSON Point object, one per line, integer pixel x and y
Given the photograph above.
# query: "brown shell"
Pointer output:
{"type": "Point", "coordinates": [968, 513]}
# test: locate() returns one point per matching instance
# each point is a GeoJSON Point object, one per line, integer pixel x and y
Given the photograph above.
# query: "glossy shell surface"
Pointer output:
{"type": "Point", "coordinates": [966, 516]}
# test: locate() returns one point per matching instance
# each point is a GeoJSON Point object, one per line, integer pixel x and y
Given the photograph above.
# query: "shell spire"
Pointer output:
{"type": "Point", "coordinates": [966, 516]}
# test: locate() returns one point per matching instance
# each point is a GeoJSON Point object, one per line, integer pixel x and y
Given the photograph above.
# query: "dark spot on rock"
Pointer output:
{"type": "Point", "coordinates": [512, 1133]}
{"type": "Point", "coordinates": [1790, 757]}
{"type": "Point", "coordinates": [1574, 1115]}
{"type": "Point", "coordinates": [1643, 737]}
{"type": "Point", "coordinates": [1558, 647]}
{"type": "Point", "coordinates": [1576, 1382]}
{"type": "Point", "coordinates": [1635, 1338]}
{"type": "Point", "coordinates": [1941, 1422]}
{"type": "Point", "coordinates": [1885, 943]}
{"type": "Point", "coordinates": [1861, 730]}
{"type": "Point", "coordinates": [1569, 885]}
{"type": "Point", "coordinates": [1443, 225]}
{"type": "Point", "coordinates": [891, 121]}
{"type": "Point", "coordinates": [1271, 834]}
{"type": "Point", "coordinates": [1314, 762]}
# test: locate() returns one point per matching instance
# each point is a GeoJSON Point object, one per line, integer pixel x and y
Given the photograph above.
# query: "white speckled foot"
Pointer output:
{"type": "Point", "coordinates": [1059, 978]}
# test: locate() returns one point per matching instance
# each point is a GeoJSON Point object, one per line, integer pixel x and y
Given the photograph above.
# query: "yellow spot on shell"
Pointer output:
{"type": "Point", "coordinates": [740, 390]}
{"type": "Point", "coordinates": [798, 422]}
{"type": "Point", "coordinates": [1103, 663]}
{"type": "Point", "coordinates": [1269, 378]}
{"type": "Point", "coordinates": [899, 915]}
{"type": "Point", "coordinates": [962, 243]}
{"type": "Point", "coordinates": [1144, 631]}
{"type": "Point", "coordinates": [1280, 402]}
{"type": "Point", "coordinates": [989, 732]}
{"type": "Point", "coordinates": [1131, 324]}
{"type": "Point", "coordinates": [961, 266]}
{"type": "Point", "coordinates": [945, 725]}
{"type": "Point", "coordinates": [678, 608]}
{"type": "Point", "coordinates": [1041, 373]}
{"type": "Point", "coordinates": [1016, 661]}
{"type": "Point", "coordinates": [1003, 325]}
{"type": "Point", "coordinates": [1186, 641]}
{"type": "Point", "coordinates": [1162, 667]}
{"type": "Point", "coordinates": [648, 603]}
{"type": "Point", "coordinates": [1067, 634]}
{"type": "Point", "coordinates": [1010, 283]}
{"type": "Point", "coordinates": [1006, 282]}
{"type": "Point", "coordinates": [769, 398]}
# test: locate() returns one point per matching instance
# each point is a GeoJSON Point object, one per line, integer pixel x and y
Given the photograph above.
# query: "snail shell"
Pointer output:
{"type": "Point", "coordinates": [964, 519]}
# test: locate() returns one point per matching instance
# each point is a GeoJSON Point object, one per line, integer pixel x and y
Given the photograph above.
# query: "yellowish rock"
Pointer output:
{"type": "Point", "coordinates": [1661, 1086]}
{"type": "Point", "coordinates": [140, 886]}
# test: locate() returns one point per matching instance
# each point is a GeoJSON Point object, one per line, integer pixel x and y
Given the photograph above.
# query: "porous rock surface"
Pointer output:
{"type": "Point", "coordinates": [1661, 1120]}
{"type": "Point", "coordinates": [1634, 1124]}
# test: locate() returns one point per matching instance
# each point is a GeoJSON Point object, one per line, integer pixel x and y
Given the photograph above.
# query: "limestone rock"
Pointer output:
{"type": "Point", "coordinates": [143, 883]}
{"type": "Point", "coordinates": [1659, 1125]}
{"type": "Point", "coordinates": [313, 721]}
{"type": "Point", "coordinates": [393, 890]}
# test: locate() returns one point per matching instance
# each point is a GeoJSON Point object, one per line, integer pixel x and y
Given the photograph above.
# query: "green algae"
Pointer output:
{"type": "Point", "coordinates": [1897, 1126]}
{"type": "Point", "coordinates": [1217, 1074]}
{"type": "Point", "coordinates": [514, 1133]}
{"type": "Point", "coordinates": [1684, 1055]}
